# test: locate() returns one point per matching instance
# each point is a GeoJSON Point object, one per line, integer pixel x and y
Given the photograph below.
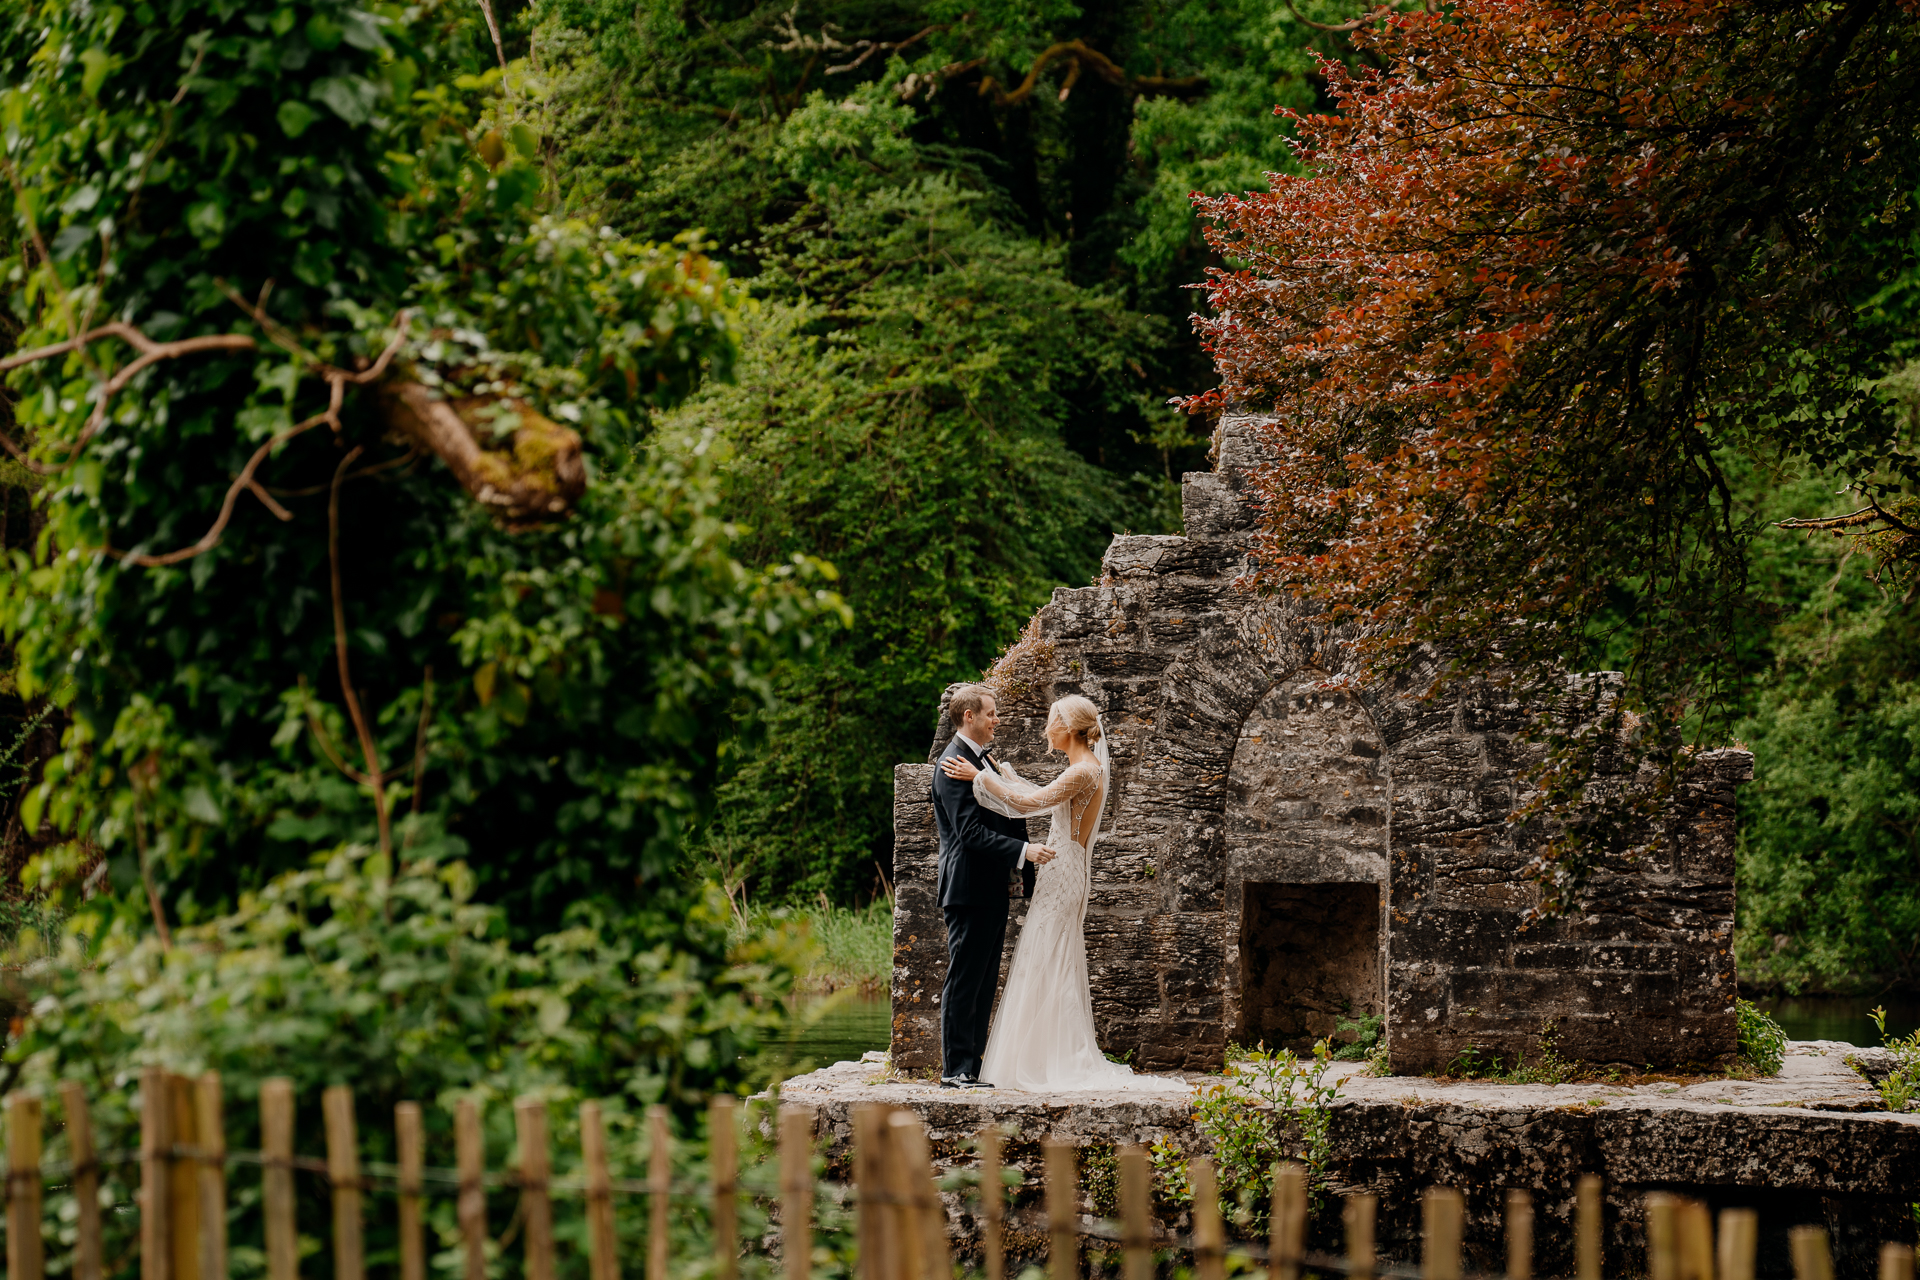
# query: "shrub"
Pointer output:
{"type": "Point", "coordinates": [1763, 1044]}
{"type": "Point", "coordinates": [1272, 1107]}
{"type": "Point", "coordinates": [405, 987]}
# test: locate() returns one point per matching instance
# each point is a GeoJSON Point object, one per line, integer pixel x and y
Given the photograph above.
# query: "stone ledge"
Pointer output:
{"type": "Point", "coordinates": [1802, 1147]}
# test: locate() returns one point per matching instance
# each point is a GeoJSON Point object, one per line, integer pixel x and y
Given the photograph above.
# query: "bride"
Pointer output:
{"type": "Point", "coordinates": [1042, 1039]}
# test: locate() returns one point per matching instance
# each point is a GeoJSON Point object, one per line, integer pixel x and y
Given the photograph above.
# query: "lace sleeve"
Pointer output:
{"type": "Point", "coordinates": [1017, 798]}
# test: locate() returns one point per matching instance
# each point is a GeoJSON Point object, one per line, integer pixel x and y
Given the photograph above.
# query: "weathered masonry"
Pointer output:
{"type": "Point", "coordinates": [1286, 846]}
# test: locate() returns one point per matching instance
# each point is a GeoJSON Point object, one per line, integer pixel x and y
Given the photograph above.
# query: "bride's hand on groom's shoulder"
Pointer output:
{"type": "Point", "coordinates": [958, 768]}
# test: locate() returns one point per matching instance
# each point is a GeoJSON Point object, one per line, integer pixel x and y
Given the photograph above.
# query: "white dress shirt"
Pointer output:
{"type": "Point", "coordinates": [979, 750]}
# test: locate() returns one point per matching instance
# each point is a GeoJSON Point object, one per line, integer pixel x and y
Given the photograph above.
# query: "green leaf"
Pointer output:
{"type": "Point", "coordinates": [207, 220]}
{"type": "Point", "coordinates": [323, 33]}
{"type": "Point", "coordinates": [524, 140]}
{"type": "Point", "coordinates": [483, 682]}
{"type": "Point", "coordinates": [96, 63]}
{"type": "Point", "coordinates": [350, 97]}
{"type": "Point", "coordinates": [294, 118]}
{"type": "Point", "coordinates": [199, 805]}
{"type": "Point", "coordinates": [362, 31]}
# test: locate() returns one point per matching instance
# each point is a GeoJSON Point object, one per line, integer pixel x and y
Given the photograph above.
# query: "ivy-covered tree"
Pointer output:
{"type": "Point", "coordinates": [354, 530]}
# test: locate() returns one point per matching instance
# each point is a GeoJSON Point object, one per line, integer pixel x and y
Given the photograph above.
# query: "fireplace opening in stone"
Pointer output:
{"type": "Point", "coordinates": [1309, 955]}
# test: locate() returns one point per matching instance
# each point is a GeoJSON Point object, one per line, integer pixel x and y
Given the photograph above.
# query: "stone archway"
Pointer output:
{"type": "Point", "coordinates": [1306, 865]}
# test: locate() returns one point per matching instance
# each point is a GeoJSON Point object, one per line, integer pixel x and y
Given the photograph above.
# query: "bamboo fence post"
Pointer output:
{"type": "Point", "coordinates": [536, 1174]}
{"type": "Point", "coordinates": [1811, 1258]}
{"type": "Point", "coordinates": [1209, 1236]}
{"type": "Point", "coordinates": [659, 1186]}
{"type": "Point", "coordinates": [210, 1124]}
{"type": "Point", "coordinates": [993, 1204]}
{"type": "Point", "coordinates": [183, 1180]}
{"type": "Point", "coordinates": [909, 1248]}
{"type": "Point", "coordinates": [25, 1258]}
{"type": "Point", "coordinates": [1288, 1242]}
{"type": "Point", "coordinates": [1694, 1232]}
{"type": "Point", "coordinates": [1739, 1243]}
{"type": "Point", "coordinates": [1586, 1229]}
{"type": "Point", "coordinates": [409, 1140]}
{"type": "Point", "coordinates": [1063, 1210]}
{"type": "Point", "coordinates": [1136, 1220]}
{"type": "Point", "coordinates": [723, 1154]}
{"type": "Point", "coordinates": [872, 1222]}
{"type": "Point", "coordinates": [796, 1193]}
{"type": "Point", "coordinates": [1663, 1244]}
{"type": "Point", "coordinates": [1519, 1235]}
{"type": "Point", "coordinates": [1358, 1216]}
{"type": "Point", "coordinates": [276, 1177]}
{"type": "Point", "coordinates": [156, 1145]}
{"type": "Point", "coordinates": [603, 1246]}
{"type": "Point", "coordinates": [86, 1181]}
{"type": "Point", "coordinates": [902, 1247]}
{"type": "Point", "coordinates": [470, 1160]}
{"type": "Point", "coordinates": [343, 1170]}
{"type": "Point", "coordinates": [1442, 1211]}
{"type": "Point", "coordinates": [1896, 1262]}
{"type": "Point", "coordinates": [913, 1157]}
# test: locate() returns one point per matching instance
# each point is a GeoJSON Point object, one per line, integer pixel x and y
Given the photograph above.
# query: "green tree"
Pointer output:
{"type": "Point", "coordinates": [971, 230]}
{"type": "Point", "coordinates": [474, 613]}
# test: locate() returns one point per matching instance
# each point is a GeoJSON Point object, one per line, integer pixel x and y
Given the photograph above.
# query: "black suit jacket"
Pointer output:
{"type": "Point", "coordinates": [978, 847]}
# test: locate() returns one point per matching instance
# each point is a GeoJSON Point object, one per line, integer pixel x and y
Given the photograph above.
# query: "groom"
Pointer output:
{"type": "Point", "coordinates": [979, 852]}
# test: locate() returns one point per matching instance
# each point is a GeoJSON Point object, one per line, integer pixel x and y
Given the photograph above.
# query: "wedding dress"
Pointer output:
{"type": "Point", "coordinates": [1042, 1039]}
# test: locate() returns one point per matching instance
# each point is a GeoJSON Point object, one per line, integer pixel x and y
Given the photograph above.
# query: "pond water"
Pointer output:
{"type": "Point", "coordinates": [1846, 1018]}
{"type": "Point", "coordinates": [846, 1027]}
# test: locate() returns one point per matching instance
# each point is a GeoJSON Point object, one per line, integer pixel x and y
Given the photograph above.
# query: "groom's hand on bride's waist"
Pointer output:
{"type": "Point", "coordinates": [1040, 855]}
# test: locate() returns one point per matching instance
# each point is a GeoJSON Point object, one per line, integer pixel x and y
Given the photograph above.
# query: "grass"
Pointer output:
{"type": "Point", "coordinates": [853, 946]}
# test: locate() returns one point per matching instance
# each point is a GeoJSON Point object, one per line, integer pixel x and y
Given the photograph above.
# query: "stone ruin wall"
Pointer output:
{"type": "Point", "coordinates": [1285, 845]}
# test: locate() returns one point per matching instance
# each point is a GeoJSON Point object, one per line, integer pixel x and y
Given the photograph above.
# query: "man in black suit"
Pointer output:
{"type": "Point", "coordinates": [980, 852]}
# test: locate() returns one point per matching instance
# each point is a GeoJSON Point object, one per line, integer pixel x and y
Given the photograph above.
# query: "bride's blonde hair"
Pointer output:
{"type": "Point", "coordinates": [1077, 716]}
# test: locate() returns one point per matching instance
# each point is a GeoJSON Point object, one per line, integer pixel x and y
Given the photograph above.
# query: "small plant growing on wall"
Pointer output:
{"type": "Point", "coordinates": [1273, 1106]}
{"type": "Point", "coordinates": [1763, 1044]}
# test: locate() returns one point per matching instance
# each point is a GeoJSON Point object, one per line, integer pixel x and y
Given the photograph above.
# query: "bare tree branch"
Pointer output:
{"type": "Point", "coordinates": [870, 47]}
{"type": "Point", "coordinates": [1101, 65]}
{"type": "Point", "coordinates": [376, 776]}
{"type": "Point", "coordinates": [151, 353]}
{"type": "Point", "coordinates": [325, 739]}
{"type": "Point", "coordinates": [1353, 24]}
{"type": "Point", "coordinates": [337, 380]}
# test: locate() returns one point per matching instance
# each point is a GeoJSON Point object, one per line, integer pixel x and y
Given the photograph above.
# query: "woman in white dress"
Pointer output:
{"type": "Point", "coordinates": [1043, 1039]}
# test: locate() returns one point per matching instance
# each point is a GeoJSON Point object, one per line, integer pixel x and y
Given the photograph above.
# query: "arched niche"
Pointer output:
{"type": "Point", "coordinates": [1306, 864]}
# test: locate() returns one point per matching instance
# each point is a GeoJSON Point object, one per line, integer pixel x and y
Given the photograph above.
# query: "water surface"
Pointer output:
{"type": "Point", "coordinates": [844, 1026]}
{"type": "Point", "coordinates": [1845, 1018]}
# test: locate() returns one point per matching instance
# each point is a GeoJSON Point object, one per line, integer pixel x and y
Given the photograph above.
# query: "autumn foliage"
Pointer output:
{"type": "Point", "coordinates": [1543, 270]}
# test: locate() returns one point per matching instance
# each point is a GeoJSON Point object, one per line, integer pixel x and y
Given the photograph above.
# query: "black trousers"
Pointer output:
{"type": "Point", "coordinates": [975, 936]}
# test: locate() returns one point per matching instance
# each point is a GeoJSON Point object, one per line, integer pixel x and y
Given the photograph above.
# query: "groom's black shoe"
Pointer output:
{"type": "Point", "coordinates": [963, 1082]}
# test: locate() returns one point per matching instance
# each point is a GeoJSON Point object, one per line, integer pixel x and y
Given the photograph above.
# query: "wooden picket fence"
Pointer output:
{"type": "Point", "coordinates": [901, 1222]}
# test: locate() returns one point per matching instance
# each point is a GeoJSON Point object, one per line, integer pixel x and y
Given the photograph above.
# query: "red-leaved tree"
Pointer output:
{"type": "Point", "coordinates": [1544, 269]}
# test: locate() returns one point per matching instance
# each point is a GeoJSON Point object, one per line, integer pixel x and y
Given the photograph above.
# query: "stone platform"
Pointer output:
{"type": "Point", "coordinates": [1812, 1145]}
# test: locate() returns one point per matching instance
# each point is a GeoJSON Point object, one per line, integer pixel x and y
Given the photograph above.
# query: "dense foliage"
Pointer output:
{"type": "Point", "coordinates": [1830, 837]}
{"type": "Point", "coordinates": [1546, 265]}
{"type": "Point", "coordinates": [406, 989]}
{"type": "Point", "coordinates": [969, 228]}
{"type": "Point", "coordinates": [303, 197]}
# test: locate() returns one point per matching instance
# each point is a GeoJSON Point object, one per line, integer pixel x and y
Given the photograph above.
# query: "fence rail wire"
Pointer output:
{"type": "Point", "coordinates": [901, 1220]}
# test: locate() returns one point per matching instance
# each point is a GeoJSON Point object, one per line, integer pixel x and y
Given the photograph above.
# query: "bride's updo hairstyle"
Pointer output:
{"type": "Point", "coordinates": [1077, 716]}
